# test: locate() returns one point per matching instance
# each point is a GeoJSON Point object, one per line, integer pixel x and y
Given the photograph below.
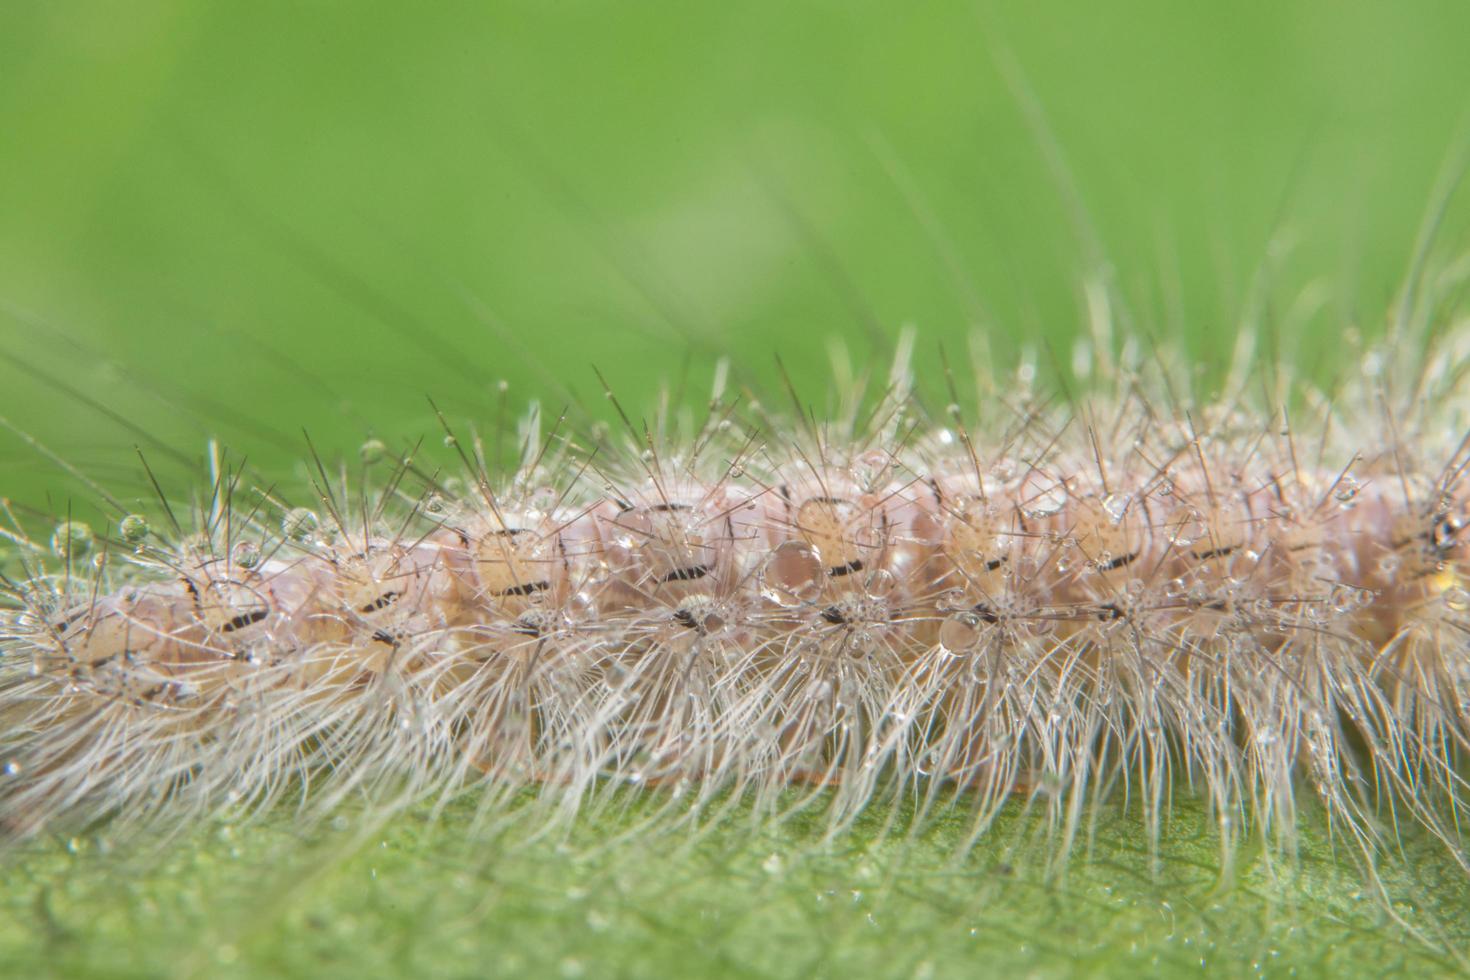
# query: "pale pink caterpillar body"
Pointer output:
{"type": "Point", "coordinates": [1060, 601]}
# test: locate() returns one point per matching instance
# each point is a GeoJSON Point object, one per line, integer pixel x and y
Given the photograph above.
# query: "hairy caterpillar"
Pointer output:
{"type": "Point", "coordinates": [1061, 601]}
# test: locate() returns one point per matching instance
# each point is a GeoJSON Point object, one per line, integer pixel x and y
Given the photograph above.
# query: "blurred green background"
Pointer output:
{"type": "Point", "coordinates": [245, 218]}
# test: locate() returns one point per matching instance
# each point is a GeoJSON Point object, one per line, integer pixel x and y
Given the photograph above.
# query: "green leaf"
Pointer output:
{"type": "Point", "coordinates": [414, 895]}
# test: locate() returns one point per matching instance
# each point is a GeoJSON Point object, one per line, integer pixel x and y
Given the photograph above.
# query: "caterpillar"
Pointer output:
{"type": "Point", "coordinates": [1062, 600]}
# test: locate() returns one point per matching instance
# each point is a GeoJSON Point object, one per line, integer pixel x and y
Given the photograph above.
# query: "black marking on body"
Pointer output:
{"type": "Point", "coordinates": [155, 692]}
{"type": "Point", "coordinates": [381, 602]}
{"type": "Point", "coordinates": [856, 565]}
{"type": "Point", "coordinates": [66, 623]}
{"type": "Point", "coordinates": [1119, 562]}
{"type": "Point", "coordinates": [834, 615]}
{"type": "Point", "coordinates": [1222, 552]}
{"type": "Point", "coordinates": [245, 619]}
{"type": "Point", "coordinates": [525, 588]}
{"type": "Point", "coordinates": [686, 574]}
{"type": "Point", "coordinates": [148, 695]}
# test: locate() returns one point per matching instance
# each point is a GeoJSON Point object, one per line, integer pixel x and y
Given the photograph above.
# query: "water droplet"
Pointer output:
{"type": "Point", "coordinates": [1046, 502]}
{"type": "Point", "coordinates": [299, 523]}
{"type": "Point", "coordinates": [1189, 526]}
{"type": "Point", "coordinates": [793, 574]}
{"type": "Point", "coordinates": [372, 451]}
{"type": "Point", "coordinates": [1456, 599]}
{"type": "Point", "coordinates": [869, 469]}
{"type": "Point", "coordinates": [71, 539]}
{"type": "Point", "coordinates": [960, 632]}
{"type": "Point", "coordinates": [247, 554]}
{"type": "Point", "coordinates": [880, 583]}
{"type": "Point", "coordinates": [1116, 504]}
{"type": "Point", "coordinates": [133, 528]}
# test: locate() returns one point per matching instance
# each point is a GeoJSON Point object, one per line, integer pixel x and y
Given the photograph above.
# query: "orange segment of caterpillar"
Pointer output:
{"type": "Point", "coordinates": [952, 619]}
